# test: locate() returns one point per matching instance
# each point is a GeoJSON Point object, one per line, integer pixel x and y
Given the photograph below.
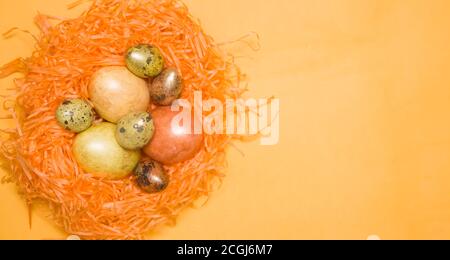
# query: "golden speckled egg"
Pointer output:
{"type": "Point", "coordinates": [97, 152]}
{"type": "Point", "coordinates": [75, 115]}
{"type": "Point", "coordinates": [151, 176]}
{"type": "Point", "coordinates": [166, 88]}
{"type": "Point", "coordinates": [144, 60]}
{"type": "Point", "coordinates": [116, 92]}
{"type": "Point", "coordinates": [135, 130]}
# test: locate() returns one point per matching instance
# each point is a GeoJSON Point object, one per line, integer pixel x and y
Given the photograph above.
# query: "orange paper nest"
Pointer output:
{"type": "Point", "coordinates": [66, 56]}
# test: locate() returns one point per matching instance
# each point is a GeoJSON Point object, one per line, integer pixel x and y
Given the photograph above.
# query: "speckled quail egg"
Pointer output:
{"type": "Point", "coordinates": [144, 60]}
{"type": "Point", "coordinates": [135, 130]}
{"type": "Point", "coordinates": [151, 176]}
{"type": "Point", "coordinates": [75, 115]}
{"type": "Point", "coordinates": [166, 87]}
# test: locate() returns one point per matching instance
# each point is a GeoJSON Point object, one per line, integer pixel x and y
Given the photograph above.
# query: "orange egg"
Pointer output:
{"type": "Point", "coordinates": [116, 92]}
{"type": "Point", "coordinates": [171, 145]}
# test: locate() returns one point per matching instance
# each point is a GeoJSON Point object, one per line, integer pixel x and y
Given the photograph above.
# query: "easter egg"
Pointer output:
{"type": "Point", "coordinates": [144, 60]}
{"type": "Point", "coordinates": [166, 87]}
{"type": "Point", "coordinates": [171, 144]}
{"type": "Point", "coordinates": [135, 130]}
{"type": "Point", "coordinates": [151, 176]}
{"type": "Point", "coordinates": [116, 92]}
{"type": "Point", "coordinates": [97, 152]}
{"type": "Point", "coordinates": [75, 115]}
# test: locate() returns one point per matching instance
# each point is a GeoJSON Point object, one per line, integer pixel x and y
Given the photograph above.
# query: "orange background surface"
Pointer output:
{"type": "Point", "coordinates": [365, 121]}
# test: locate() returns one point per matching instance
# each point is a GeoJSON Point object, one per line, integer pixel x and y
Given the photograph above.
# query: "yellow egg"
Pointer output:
{"type": "Point", "coordinates": [97, 152]}
{"type": "Point", "coordinates": [116, 92]}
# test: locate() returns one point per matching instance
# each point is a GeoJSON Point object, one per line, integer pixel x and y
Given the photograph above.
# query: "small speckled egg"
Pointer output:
{"type": "Point", "coordinates": [75, 115]}
{"type": "Point", "coordinates": [135, 130]}
{"type": "Point", "coordinates": [151, 176]}
{"type": "Point", "coordinates": [144, 60]}
{"type": "Point", "coordinates": [166, 88]}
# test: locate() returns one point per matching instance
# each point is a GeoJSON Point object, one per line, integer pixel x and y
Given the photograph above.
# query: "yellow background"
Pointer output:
{"type": "Point", "coordinates": [365, 122]}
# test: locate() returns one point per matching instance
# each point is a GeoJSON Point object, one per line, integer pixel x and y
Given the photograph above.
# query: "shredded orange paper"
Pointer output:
{"type": "Point", "coordinates": [67, 53]}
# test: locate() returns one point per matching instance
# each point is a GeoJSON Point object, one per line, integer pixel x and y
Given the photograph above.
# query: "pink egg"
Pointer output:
{"type": "Point", "coordinates": [171, 145]}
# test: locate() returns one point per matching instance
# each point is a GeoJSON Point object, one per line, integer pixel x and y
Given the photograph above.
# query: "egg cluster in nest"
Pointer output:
{"type": "Point", "coordinates": [68, 54]}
